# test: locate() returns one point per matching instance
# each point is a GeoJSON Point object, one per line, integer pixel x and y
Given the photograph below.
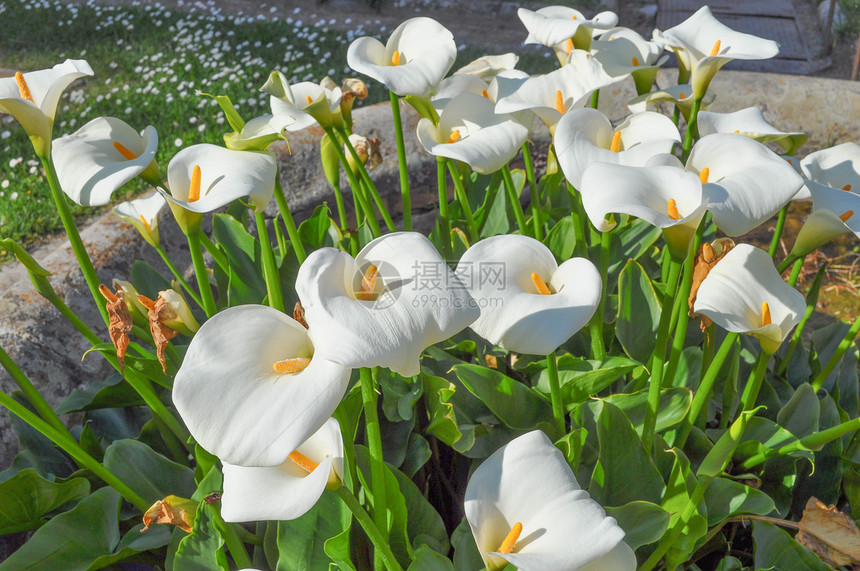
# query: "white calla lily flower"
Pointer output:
{"type": "Point", "coordinates": [143, 215]}
{"type": "Point", "coordinates": [836, 167]}
{"type": "Point", "coordinates": [744, 293]}
{"type": "Point", "coordinates": [488, 67]}
{"type": "Point", "coordinates": [554, 25]}
{"type": "Point", "coordinates": [667, 197]}
{"type": "Point", "coordinates": [259, 132]}
{"type": "Point", "coordinates": [384, 307]}
{"type": "Point", "coordinates": [834, 212]}
{"type": "Point", "coordinates": [251, 388]}
{"type": "Point", "coordinates": [703, 45]}
{"type": "Point", "coordinates": [289, 490]}
{"type": "Point", "coordinates": [623, 52]}
{"type": "Point", "coordinates": [470, 131]}
{"type": "Point", "coordinates": [585, 136]}
{"type": "Point", "coordinates": [204, 177]}
{"type": "Point", "coordinates": [305, 103]}
{"type": "Point", "coordinates": [455, 85]}
{"type": "Point", "coordinates": [532, 304]}
{"type": "Point", "coordinates": [416, 57]}
{"type": "Point", "coordinates": [527, 485]}
{"type": "Point", "coordinates": [32, 98]}
{"type": "Point", "coordinates": [552, 95]}
{"type": "Point", "coordinates": [746, 182]}
{"type": "Point", "coordinates": [101, 157]}
{"type": "Point", "coordinates": [749, 122]}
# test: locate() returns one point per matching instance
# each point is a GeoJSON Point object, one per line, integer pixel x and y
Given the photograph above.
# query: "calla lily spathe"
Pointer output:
{"type": "Point", "coordinates": [679, 95]}
{"type": "Point", "coordinates": [488, 67]}
{"type": "Point", "coordinates": [514, 314]}
{"type": "Point", "coordinates": [470, 131]}
{"type": "Point", "coordinates": [32, 98]}
{"type": "Point", "coordinates": [553, 25]}
{"type": "Point", "coordinates": [703, 45]}
{"type": "Point", "coordinates": [414, 300]}
{"type": "Point", "coordinates": [585, 136]}
{"type": "Point", "coordinates": [749, 122]}
{"type": "Point", "coordinates": [234, 401]}
{"type": "Point", "coordinates": [305, 103]}
{"type": "Point", "coordinates": [733, 293]}
{"type": "Point", "coordinates": [747, 183]}
{"type": "Point", "coordinates": [834, 212]}
{"type": "Point", "coordinates": [225, 176]}
{"type": "Point", "coordinates": [100, 157]}
{"type": "Point", "coordinates": [416, 57]}
{"type": "Point", "coordinates": [552, 95]}
{"type": "Point", "coordinates": [143, 215]}
{"type": "Point", "coordinates": [667, 197]}
{"type": "Point", "coordinates": [528, 482]}
{"type": "Point", "coordinates": [289, 490]}
{"type": "Point", "coordinates": [623, 52]}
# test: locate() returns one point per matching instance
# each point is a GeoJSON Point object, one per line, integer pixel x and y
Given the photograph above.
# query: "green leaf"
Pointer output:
{"type": "Point", "coordinates": [26, 497]}
{"type": "Point", "coordinates": [621, 456]}
{"type": "Point", "coordinates": [73, 540]}
{"type": "Point", "coordinates": [244, 281]}
{"type": "Point", "coordinates": [428, 560]}
{"type": "Point", "coordinates": [571, 445]}
{"type": "Point", "coordinates": [642, 522]}
{"type": "Point", "coordinates": [315, 231]}
{"type": "Point", "coordinates": [493, 216]}
{"type": "Point", "coordinates": [146, 279]}
{"type": "Point", "coordinates": [443, 420]}
{"type": "Point", "coordinates": [800, 414]}
{"type": "Point", "coordinates": [203, 548]}
{"type": "Point", "coordinates": [516, 405]}
{"type": "Point", "coordinates": [424, 525]}
{"type": "Point", "coordinates": [673, 406]}
{"type": "Point", "coordinates": [775, 549]}
{"type": "Point", "coordinates": [638, 312]}
{"type": "Point", "coordinates": [560, 240]}
{"type": "Point", "coordinates": [134, 542]}
{"type": "Point", "coordinates": [399, 395]}
{"type": "Point", "coordinates": [579, 378]}
{"type": "Point", "coordinates": [109, 393]}
{"type": "Point", "coordinates": [302, 541]}
{"type": "Point", "coordinates": [726, 498]}
{"type": "Point", "coordinates": [632, 241]}
{"type": "Point", "coordinates": [466, 554]}
{"type": "Point", "coordinates": [233, 118]}
{"type": "Point", "coordinates": [417, 454]}
{"type": "Point", "coordinates": [147, 472]}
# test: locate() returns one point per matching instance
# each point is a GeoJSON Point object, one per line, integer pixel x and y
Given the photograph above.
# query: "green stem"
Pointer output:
{"type": "Point", "coordinates": [380, 543]}
{"type": "Point", "coordinates": [201, 273]}
{"type": "Point", "coordinates": [343, 222]}
{"type": "Point", "coordinates": [290, 224]}
{"type": "Point", "coordinates": [231, 538]}
{"type": "Point", "coordinates": [811, 303]}
{"type": "Point", "coordinates": [703, 392]}
{"type": "Point", "coordinates": [681, 317]}
{"type": "Point", "coordinates": [374, 445]}
{"type": "Point", "coordinates": [686, 514]}
{"type": "Point", "coordinates": [555, 393]}
{"type": "Point", "coordinates": [578, 217]}
{"type": "Point", "coordinates": [78, 248]}
{"type": "Point", "coordinates": [73, 449]}
{"type": "Point", "coordinates": [178, 276]}
{"type": "Point", "coordinates": [270, 269]}
{"type": "Point", "coordinates": [795, 272]}
{"type": "Point", "coordinates": [846, 342]}
{"type": "Point", "coordinates": [533, 190]}
{"type": "Point", "coordinates": [514, 199]}
{"type": "Point", "coordinates": [444, 225]}
{"type": "Point", "coordinates": [219, 258]}
{"type": "Point", "coordinates": [463, 199]}
{"type": "Point", "coordinates": [730, 389]}
{"type": "Point", "coordinates": [753, 385]}
{"type": "Point", "coordinates": [691, 129]}
{"type": "Point", "coordinates": [777, 233]}
{"type": "Point", "coordinates": [143, 387]}
{"type": "Point", "coordinates": [32, 393]}
{"type": "Point", "coordinates": [595, 97]}
{"type": "Point", "coordinates": [659, 356]}
{"type": "Point", "coordinates": [401, 163]}
{"type": "Point", "coordinates": [790, 259]}
{"type": "Point", "coordinates": [354, 184]}
{"type": "Point", "coordinates": [598, 349]}
{"type": "Point", "coordinates": [279, 236]}
{"type": "Point", "coordinates": [368, 182]}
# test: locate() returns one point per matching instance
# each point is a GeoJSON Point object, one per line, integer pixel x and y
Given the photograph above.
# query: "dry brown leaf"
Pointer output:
{"type": "Point", "coordinates": [299, 314]}
{"type": "Point", "coordinates": [831, 534]}
{"type": "Point", "coordinates": [492, 361]}
{"type": "Point", "coordinates": [706, 259]}
{"type": "Point", "coordinates": [173, 510]}
{"type": "Point", "coordinates": [119, 323]}
{"type": "Point", "coordinates": [161, 334]}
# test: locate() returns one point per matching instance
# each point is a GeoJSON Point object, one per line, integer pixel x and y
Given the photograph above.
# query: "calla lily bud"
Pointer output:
{"type": "Point", "coordinates": [38, 274]}
{"type": "Point", "coordinates": [174, 510]}
{"type": "Point", "coordinates": [351, 90]}
{"type": "Point", "coordinates": [176, 314]}
{"type": "Point", "coordinates": [129, 294]}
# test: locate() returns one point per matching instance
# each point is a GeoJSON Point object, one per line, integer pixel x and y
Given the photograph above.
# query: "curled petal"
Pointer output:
{"type": "Point", "coordinates": [514, 315]}
{"type": "Point", "coordinates": [419, 302]}
{"type": "Point", "coordinates": [143, 215]}
{"type": "Point", "coordinates": [750, 123]}
{"type": "Point", "coordinates": [235, 404]}
{"type": "Point", "coordinates": [836, 167]}
{"type": "Point", "coordinates": [90, 167]}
